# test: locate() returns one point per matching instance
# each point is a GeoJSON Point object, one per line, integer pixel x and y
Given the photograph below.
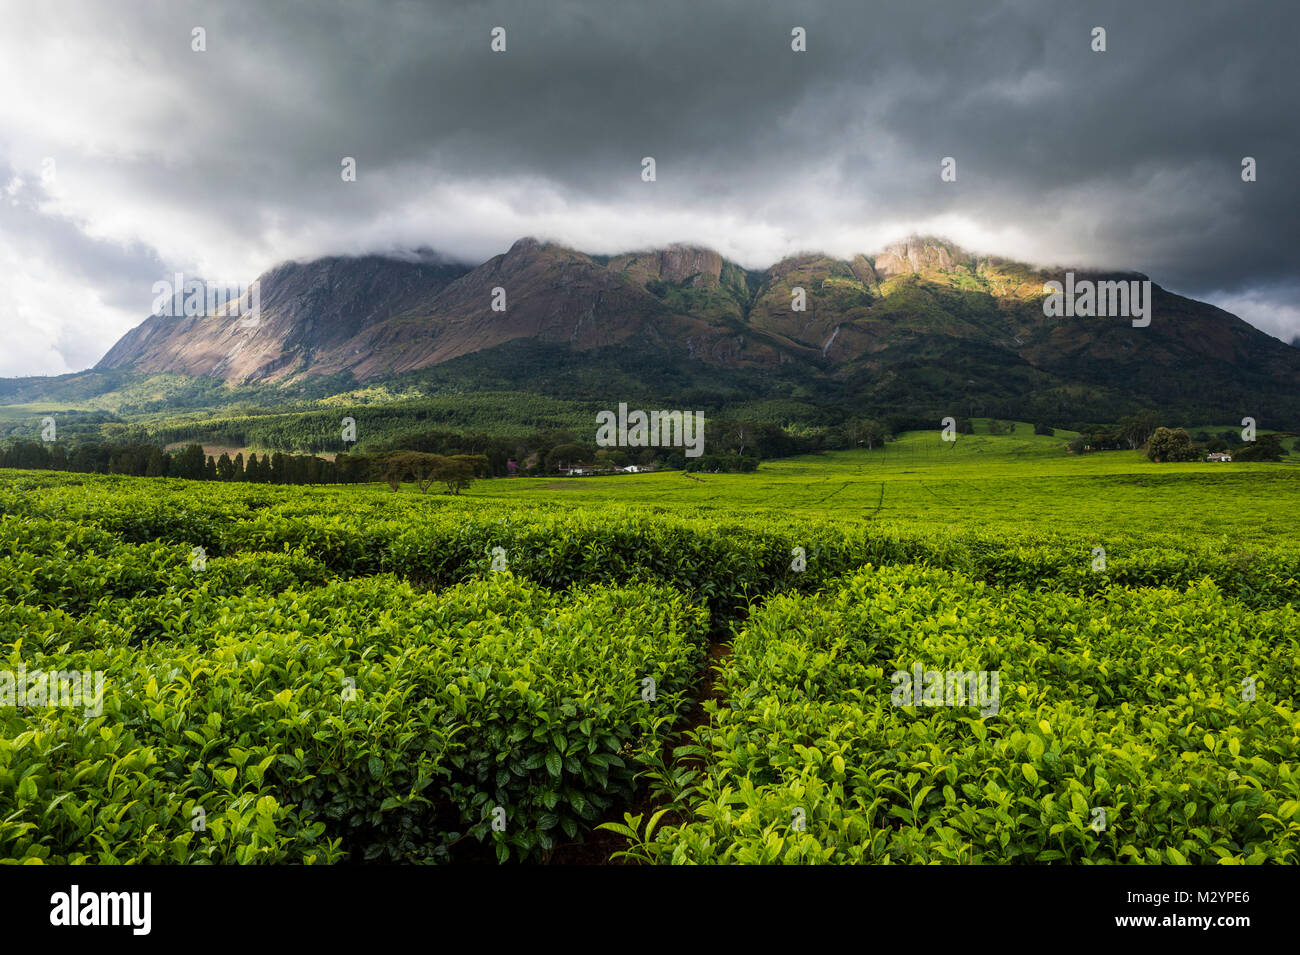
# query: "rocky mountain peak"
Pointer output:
{"type": "Point", "coordinates": [918, 254]}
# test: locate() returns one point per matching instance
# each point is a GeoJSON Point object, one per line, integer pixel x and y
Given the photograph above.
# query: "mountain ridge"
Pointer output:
{"type": "Point", "coordinates": [921, 316]}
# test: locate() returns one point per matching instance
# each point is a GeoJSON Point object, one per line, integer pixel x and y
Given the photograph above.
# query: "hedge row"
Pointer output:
{"type": "Point", "coordinates": [362, 720]}
{"type": "Point", "coordinates": [724, 564]}
{"type": "Point", "coordinates": [1145, 726]}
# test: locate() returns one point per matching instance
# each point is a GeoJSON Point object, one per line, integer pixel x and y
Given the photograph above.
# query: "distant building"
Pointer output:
{"type": "Point", "coordinates": [633, 469]}
{"type": "Point", "coordinates": [1218, 456]}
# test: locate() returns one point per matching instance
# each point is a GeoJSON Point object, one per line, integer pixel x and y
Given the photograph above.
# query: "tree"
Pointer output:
{"type": "Point", "coordinates": [740, 434]}
{"type": "Point", "coordinates": [868, 431]}
{"type": "Point", "coordinates": [458, 472]}
{"type": "Point", "coordinates": [397, 466]}
{"type": "Point", "coordinates": [239, 466]}
{"type": "Point", "coordinates": [1266, 447]}
{"type": "Point", "coordinates": [390, 468]}
{"type": "Point", "coordinates": [1044, 428]}
{"type": "Point", "coordinates": [565, 455]}
{"type": "Point", "coordinates": [225, 468]}
{"type": "Point", "coordinates": [1138, 429]}
{"type": "Point", "coordinates": [352, 468]}
{"type": "Point", "coordinates": [1167, 445]}
{"type": "Point", "coordinates": [157, 466]}
{"type": "Point", "coordinates": [189, 464]}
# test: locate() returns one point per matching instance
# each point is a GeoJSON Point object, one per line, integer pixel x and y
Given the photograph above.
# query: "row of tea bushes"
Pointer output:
{"type": "Point", "coordinates": [301, 687]}
{"type": "Point", "coordinates": [438, 542]}
{"type": "Point", "coordinates": [1144, 726]}
{"type": "Point", "coordinates": [76, 568]}
{"type": "Point", "coordinates": [360, 720]}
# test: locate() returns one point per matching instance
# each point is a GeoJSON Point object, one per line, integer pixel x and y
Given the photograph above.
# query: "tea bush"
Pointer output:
{"type": "Point", "coordinates": [724, 562]}
{"type": "Point", "coordinates": [364, 719]}
{"type": "Point", "coordinates": [350, 675]}
{"type": "Point", "coordinates": [1132, 704]}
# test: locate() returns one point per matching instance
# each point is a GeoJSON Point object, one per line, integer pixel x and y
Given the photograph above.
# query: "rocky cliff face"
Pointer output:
{"type": "Point", "coordinates": [310, 313]}
{"type": "Point", "coordinates": [702, 268]}
{"type": "Point", "coordinates": [920, 255]}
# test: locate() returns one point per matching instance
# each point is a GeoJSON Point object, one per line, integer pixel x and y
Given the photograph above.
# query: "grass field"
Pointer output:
{"type": "Point", "coordinates": [1015, 481]}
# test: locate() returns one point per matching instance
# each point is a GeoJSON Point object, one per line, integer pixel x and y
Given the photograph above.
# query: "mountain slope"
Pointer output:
{"type": "Point", "coordinates": [921, 321]}
{"type": "Point", "coordinates": [308, 313]}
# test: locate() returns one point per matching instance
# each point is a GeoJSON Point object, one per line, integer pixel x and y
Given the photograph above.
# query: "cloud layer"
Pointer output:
{"type": "Point", "coordinates": [224, 162]}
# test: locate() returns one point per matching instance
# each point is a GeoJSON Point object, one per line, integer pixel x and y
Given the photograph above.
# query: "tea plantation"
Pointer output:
{"type": "Point", "coordinates": [345, 674]}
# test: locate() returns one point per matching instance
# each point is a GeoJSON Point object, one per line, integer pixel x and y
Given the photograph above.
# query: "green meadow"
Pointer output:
{"type": "Point", "coordinates": [1015, 482]}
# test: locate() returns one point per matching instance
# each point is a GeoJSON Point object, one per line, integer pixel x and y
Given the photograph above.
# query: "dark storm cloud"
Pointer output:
{"type": "Point", "coordinates": [1128, 158]}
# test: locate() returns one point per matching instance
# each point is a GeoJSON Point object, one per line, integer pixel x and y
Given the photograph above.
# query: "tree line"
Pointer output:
{"type": "Point", "coordinates": [191, 463]}
{"type": "Point", "coordinates": [1175, 444]}
{"type": "Point", "coordinates": [731, 444]}
{"type": "Point", "coordinates": [1164, 444]}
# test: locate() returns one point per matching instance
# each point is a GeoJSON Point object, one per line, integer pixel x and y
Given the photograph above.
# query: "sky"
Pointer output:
{"type": "Point", "coordinates": [128, 155]}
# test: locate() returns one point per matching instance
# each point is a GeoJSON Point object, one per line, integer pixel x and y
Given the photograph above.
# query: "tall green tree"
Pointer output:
{"type": "Point", "coordinates": [157, 466]}
{"type": "Point", "coordinates": [1170, 445]}
{"type": "Point", "coordinates": [189, 464]}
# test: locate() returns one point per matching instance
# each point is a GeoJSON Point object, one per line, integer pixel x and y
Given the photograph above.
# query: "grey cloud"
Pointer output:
{"type": "Point", "coordinates": [1132, 156]}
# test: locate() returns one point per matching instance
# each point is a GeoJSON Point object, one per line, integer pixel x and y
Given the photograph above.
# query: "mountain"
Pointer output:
{"type": "Point", "coordinates": [316, 308]}
{"type": "Point", "coordinates": [921, 323]}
